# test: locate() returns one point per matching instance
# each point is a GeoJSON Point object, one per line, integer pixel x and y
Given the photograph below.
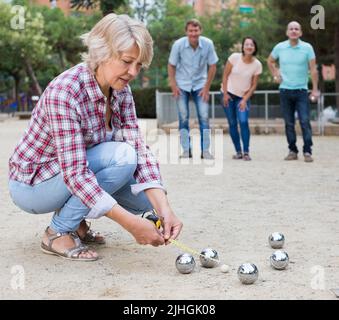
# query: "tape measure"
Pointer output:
{"type": "Point", "coordinates": [153, 217]}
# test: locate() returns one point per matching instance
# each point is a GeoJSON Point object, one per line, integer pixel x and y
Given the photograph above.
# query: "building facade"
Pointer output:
{"type": "Point", "coordinates": [207, 7]}
{"type": "Point", "coordinates": [63, 5]}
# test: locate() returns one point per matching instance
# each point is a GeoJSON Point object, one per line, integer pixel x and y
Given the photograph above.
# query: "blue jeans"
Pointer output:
{"type": "Point", "coordinates": [235, 115]}
{"type": "Point", "coordinates": [202, 108]}
{"type": "Point", "coordinates": [114, 175]}
{"type": "Point", "coordinates": [290, 102]}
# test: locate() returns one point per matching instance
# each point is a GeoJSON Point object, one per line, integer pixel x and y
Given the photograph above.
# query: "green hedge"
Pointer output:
{"type": "Point", "coordinates": [144, 102]}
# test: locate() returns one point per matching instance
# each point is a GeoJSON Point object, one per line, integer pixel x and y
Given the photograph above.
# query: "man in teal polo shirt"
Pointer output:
{"type": "Point", "coordinates": [295, 57]}
{"type": "Point", "coordinates": [191, 69]}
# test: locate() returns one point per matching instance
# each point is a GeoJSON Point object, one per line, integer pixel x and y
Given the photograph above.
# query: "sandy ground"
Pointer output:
{"type": "Point", "coordinates": [232, 211]}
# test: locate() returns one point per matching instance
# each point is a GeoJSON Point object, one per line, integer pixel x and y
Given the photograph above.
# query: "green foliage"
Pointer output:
{"type": "Point", "coordinates": [300, 11]}
{"type": "Point", "coordinates": [165, 28]}
{"type": "Point", "coordinates": [144, 102]}
{"type": "Point", "coordinates": [51, 40]}
{"type": "Point", "coordinates": [23, 45]}
{"type": "Point", "coordinates": [224, 28]}
{"type": "Point", "coordinates": [106, 6]}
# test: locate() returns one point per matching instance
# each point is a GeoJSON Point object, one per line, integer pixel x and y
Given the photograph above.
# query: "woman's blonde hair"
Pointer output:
{"type": "Point", "coordinates": [113, 35]}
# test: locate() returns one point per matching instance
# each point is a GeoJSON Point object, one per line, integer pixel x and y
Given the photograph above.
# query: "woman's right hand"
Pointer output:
{"type": "Point", "coordinates": [226, 99]}
{"type": "Point", "coordinates": [145, 232]}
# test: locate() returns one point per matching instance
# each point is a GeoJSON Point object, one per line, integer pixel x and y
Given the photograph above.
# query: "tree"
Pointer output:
{"type": "Point", "coordinates": [106, 6]}
{"type": "Point", "coordinates": [325, 41]}
{"type": "Point", "coordinates": [332, 23]}
{"type": "Point", "coordinates": [167, 25]}
{"type": "Point", "coordinates": [57, 25]}
{"type": "Point", "coordinates": [22, 47]}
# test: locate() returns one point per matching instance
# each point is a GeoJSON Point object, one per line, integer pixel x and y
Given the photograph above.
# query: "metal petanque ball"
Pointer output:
{"type": "Point", "coordinates": [276, 240]}
{"type": "Point", "coordinates": [248, 273]}
{"type": "Point", "coordinates": [185, 263]}
{"type": "Point", "coordinates": [279, 259]}
{"type": "Point", "coordinates": [313, 99]}
{"type": "Point", "coordinates": [206, 257]}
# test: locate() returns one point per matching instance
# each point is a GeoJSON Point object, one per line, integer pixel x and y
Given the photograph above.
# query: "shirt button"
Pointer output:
{"type": "Point", "coordinates": [61, 150]}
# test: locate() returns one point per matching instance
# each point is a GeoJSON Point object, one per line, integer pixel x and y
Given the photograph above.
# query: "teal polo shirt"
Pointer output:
{"type": "Point", "coordinates": [294, 63]}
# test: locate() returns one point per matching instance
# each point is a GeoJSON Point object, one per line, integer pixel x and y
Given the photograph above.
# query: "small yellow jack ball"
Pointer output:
{"type": "Point", "coordinates": [224, 268]}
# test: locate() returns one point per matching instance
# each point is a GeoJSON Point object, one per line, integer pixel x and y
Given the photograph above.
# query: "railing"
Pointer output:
{"type": "Point", "coordinates": [166, 107]}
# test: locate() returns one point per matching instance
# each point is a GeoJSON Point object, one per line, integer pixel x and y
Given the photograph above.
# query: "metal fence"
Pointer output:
{"type": "Point", "coordinates": [11, 106]}
{"type": "Point", "coordinates": [265, 105]}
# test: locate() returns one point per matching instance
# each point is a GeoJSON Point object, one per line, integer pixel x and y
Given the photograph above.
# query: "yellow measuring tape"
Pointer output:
{"type": "Point", "coordinates": [188, 249]}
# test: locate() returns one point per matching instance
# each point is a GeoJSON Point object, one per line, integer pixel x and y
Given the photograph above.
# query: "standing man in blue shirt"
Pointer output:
{"type": "Point", "coordinates": [295, 57]}
{"type": "Point", "coordinates": [191, 69]}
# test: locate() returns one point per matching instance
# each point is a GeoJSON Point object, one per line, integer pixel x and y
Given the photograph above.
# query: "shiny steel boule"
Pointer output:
{"type": "Point", "coordinates": [185, 263]}
{"type": "Point", "coordinates": [248, 273]}
{"type": "Point", "coordinates": [276, 240]}
{"type": "Point", "coordinates": [209, 258]}
{"type": "Point", "coordinates": [279, 260]}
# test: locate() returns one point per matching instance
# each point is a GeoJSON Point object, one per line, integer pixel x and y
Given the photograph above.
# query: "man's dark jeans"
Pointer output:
{"type": "Point", "coordinates": [290, 102]}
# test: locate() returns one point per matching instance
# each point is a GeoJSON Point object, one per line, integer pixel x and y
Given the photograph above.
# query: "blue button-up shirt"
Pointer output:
{"type": "Point", "coordinates": [294, 63]}
{"type": "Point", "coordinates": [192, 64]}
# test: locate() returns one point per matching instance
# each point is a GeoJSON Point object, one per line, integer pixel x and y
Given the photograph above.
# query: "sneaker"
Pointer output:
{"type": "Point", "coordinates": [206, 155]}
{"type": "Point", "coordinates": [186, 154]}
{"type": "Point", "coordinates": [237, 156]}
{"type": "Point", "coordinates": [291, 156]}
{"type": "Point", "coordinates": [308, 157]}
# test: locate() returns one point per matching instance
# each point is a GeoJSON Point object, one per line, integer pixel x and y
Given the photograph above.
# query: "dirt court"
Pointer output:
{"type": "Point", "coordinates": [233, 212]}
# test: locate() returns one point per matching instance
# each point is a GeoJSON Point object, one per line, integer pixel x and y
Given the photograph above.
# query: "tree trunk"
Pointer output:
{"type": "Point", "coordinates": [31, 74]}
{"type": "Point", "coordinates": [336, 62]}
{"type": "Point", "coordinates": [141, 78]}
{"type": "Point", "coordinates": [61, 57]}
{"type": "Point", "coordinates": [16, 90]}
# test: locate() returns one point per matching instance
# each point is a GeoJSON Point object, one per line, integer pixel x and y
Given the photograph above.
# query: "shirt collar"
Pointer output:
{"type": "Point", "coordinates": [91, 85]}
{"type": "Point", "coordinates": [297, 46]}
{"type": "Point", "coordinates": [93, 90]}
{"type": "Point", "coordinates": [187, 43]}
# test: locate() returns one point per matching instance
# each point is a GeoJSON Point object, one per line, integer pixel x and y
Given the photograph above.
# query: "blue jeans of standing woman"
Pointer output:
{"type": "Point", "coordinates": [292, 101]}
{"type": "Point", "coordinates": [202, 108]}
{"type": "Point", "coordinates": [113, 164]}
{"type": "Point", "coordinates": [234, 116]}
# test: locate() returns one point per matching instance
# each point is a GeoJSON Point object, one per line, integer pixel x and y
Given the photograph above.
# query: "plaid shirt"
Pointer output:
{"type": "Point", "coordinates": [68, 119]}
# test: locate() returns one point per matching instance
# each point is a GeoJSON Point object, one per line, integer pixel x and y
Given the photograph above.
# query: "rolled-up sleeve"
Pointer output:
{"type": "Point", "coordinates": [174, 55]}
{"type": "Point", "coordinates": [64, 123]}
{"type": "Point", "coordinates": [212, 55]}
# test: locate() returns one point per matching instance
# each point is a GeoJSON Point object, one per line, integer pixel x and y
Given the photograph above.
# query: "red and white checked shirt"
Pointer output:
{"type": "Point", "coordinates": [68, 119]}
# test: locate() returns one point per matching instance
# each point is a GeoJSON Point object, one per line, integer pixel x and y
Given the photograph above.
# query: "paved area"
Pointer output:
{"type": "Point", "coordinates": [231, 206]}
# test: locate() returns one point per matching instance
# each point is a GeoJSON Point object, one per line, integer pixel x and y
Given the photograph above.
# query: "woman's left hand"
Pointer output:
{"type": "Point", "coordinates": [242, 105]}
{"type": "Point", "coordinates": [170, 223]}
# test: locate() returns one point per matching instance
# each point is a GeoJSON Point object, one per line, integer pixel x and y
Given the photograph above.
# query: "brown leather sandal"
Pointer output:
{"type": "Point", "coordinates": [69, 254]}
{"type": "Point", "coordinates": [91, 236]}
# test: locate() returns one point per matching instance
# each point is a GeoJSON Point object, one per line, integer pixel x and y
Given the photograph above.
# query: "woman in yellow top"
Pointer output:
{"type": "Point", "coordinates": [239, 81]}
